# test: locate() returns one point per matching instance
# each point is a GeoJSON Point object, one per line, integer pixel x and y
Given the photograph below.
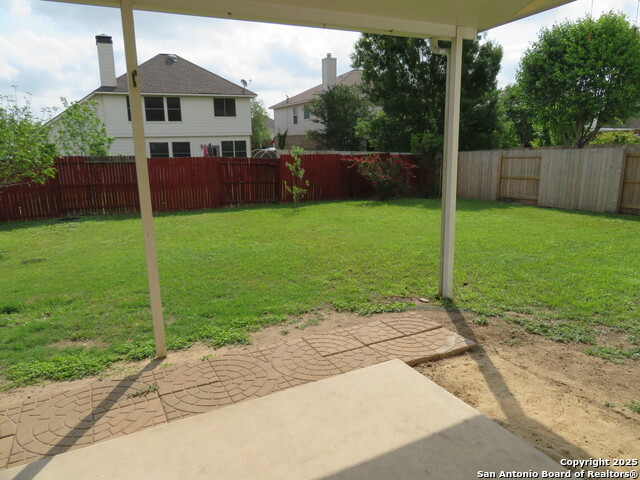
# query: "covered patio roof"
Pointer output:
{"type": "Point", "coordinates": [453, 20]}
{"type": "Point", "coordinates": [413, 18]}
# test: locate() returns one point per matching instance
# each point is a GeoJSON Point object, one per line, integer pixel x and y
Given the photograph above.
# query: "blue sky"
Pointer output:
{"type": "Point", "coordinates": [48, 48]}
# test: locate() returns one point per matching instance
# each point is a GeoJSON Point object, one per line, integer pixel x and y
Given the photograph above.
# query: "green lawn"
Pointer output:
{"type": "Point", "coordinates": [227, 272]}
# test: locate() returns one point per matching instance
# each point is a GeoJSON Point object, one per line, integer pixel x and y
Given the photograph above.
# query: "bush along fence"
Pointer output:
{"type": "Point", "coordinates": [103, 185]}
{"type": "Point", "coordinates": [591, 179]}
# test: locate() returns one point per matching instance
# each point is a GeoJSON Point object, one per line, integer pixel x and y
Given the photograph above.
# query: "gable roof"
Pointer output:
{"type": "Point", "coordinates": [350, 78]}
{"type": "Point", "coordinates": [161, 74]}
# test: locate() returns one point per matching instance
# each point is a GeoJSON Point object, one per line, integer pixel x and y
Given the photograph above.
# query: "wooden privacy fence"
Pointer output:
{"type": "Point", "coordinates": [108, 185]}
{"type": "Point", "coordinates": [592, 179]}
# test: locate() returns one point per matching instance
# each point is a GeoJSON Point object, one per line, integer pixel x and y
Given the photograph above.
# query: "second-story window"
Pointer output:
{"type": "Point", "coordinates": [295, 115]}
{"type": "Point", "coordinates": [173, 109]}
{"type": "Point", "coordinates": [159, 109]}
{"type": "Point", "coordinates": [224, 107]}
{"type": "Point", "coordinates": [306, 113]}
{"type": "Point", "coordinates": [154, 109]}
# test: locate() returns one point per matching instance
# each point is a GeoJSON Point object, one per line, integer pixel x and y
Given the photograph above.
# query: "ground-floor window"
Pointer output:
{"type": "Point", "coordinates": [181, 149]}
{"type": "Point", "coordinates": [161, 149]}
{"type": "Point", "coordinates": [237, 148]}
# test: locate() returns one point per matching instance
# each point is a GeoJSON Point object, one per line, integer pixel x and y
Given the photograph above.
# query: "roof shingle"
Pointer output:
{"type": "Point", "coordinates": [350, 78]}
{"type": "Point", "coordinates": [161, 74]}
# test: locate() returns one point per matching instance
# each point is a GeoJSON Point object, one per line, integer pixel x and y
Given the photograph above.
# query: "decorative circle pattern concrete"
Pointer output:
{"type": "Point", "coordinates": [299, 360]}
{"type": "Point", "coordinates": [411, 325]}
{"type": "Point", "coordinates": [57, 424]}
{"type": "Point", "coordinates": [244, 377]}
{"type": "Point", "coordinates": [187, 376]}
{"type": "Point", "coordinates": [374, 332]}
{"type": "Point", "coordinates": [113, 407]}
{"type": "Point", "coordinates": [329, 344]}
{"type": "Point", "coordinates": [353, 359]}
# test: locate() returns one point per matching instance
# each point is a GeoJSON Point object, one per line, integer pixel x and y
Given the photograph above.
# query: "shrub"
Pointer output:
{"type": "Point", "coordinates": [389, 176]}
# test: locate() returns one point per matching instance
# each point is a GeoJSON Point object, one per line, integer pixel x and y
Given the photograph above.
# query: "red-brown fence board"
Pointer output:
{"type": "Point", "coordinates": [30, 201]}
{"type": "Point", "coordinates": [109, 184]}
{"type": "Point", "coordinates": [246, 181]}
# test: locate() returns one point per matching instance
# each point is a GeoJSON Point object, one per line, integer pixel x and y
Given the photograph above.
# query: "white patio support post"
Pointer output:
{"type": "Point", "coordinates": [142, 173]}
{"type": "Point", "coordinates": [450, 165]}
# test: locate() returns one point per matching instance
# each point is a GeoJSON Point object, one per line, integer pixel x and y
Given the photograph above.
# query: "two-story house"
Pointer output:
{"type": "Point", "coordinates": [188, 111]}
{"type": "Point", "coordinates": [293, 116]}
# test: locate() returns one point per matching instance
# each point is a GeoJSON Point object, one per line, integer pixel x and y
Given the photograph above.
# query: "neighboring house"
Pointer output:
{"type": "Point", "coordinates": [292, 115]}
{"type": "Point", "coordinates": [631, 125]}
{"type": "Point", "coordinates": [186, 108]}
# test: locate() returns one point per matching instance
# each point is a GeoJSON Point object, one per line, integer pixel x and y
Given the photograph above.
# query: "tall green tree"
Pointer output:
{"type": "Point", "coordinates": [339, 109]}
{"type": "Point", "coordinates": [25, 150]}
{"type": "Point", "coordinates": [79, 130]}
{"type": "Point", "coordinates": [580, 75]}
{"type": "Point", "coordinates": [518, 114]}
{"type": "Point", "coordinates": [260, 133]}
{"type": "Point", "coordinates": [407, 80]}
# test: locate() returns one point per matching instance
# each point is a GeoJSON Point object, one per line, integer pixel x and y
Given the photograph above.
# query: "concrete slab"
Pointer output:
{"type": "Point", "coordinates": [382, 422]}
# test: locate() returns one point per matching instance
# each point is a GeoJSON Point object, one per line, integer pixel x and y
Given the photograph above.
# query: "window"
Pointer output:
{"type": "Point", "coordinates": [181, 149]}
{"type": "Point", "coordinates": [295, 115]}
{"type": "Point", "coordinates": [173, 109]}
{"type": "Point", "coordinates": [236, 148]}
{"type": "Point", "coordinates": [159, 149]}
{"type": "Point", "coordinates": [306, 113]}
{"type": "Point", "coordinates": [128, 109]}
{"type": "Point", "coordinates": [154, 109]}
{"type": "Point", "coordinates": [224, 107]}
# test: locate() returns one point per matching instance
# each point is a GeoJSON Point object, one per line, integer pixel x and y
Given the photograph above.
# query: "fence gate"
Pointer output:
{"type": "Point", "coordinates": [630, 199]}
{"type": "Point", "coordinates": [519, 179]}
{"type": "Point", "coordinates": [245, 181]}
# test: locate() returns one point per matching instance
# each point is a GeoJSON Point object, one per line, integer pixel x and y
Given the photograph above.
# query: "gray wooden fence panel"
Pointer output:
{"type": "Point", "coordinates": [587, 179]}
{"type": "Point", "coordinates": [479, 174]}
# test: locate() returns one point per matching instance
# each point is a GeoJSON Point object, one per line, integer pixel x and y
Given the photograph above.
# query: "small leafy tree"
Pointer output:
{"type": "Point", "coordinates": [80, 131]}
{"type": "Point", "coordinates": [25, 150]}
{"type": "Point", "coordinates": [260, 133]}
{"type": "Point", "coordinates": [389, 176]}
{"type": "Point", "coordinates": [296, 189]}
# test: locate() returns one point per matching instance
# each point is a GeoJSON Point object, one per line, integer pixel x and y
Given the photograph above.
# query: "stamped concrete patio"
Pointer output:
{"type": "Point", "coordinates": [53, 424]}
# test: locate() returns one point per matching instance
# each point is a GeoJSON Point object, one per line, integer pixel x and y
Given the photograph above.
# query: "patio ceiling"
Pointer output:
{"type": "Point", "coordinates": [415, 18]}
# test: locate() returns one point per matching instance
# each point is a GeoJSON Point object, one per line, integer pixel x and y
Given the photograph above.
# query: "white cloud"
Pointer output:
{"type": "Point", "coordinates": [20, 7]}
{"type": "Point", "coordinates": [49, 48]}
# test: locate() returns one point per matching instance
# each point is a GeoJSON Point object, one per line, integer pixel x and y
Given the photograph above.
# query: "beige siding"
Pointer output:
{"type": "Point", "coordinates": [198, 125]}
{"type": "Point", "coordinates": [283, 118]}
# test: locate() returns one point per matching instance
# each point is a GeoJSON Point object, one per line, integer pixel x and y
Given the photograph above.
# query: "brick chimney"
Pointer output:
{"type": "Point", "coordinates": [106, 62]}
{"type": "Point", "coordinates": [329, 67]}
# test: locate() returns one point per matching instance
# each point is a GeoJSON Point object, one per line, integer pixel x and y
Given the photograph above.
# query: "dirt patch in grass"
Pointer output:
{"type": "Point", "coordinates": [565, 403]}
